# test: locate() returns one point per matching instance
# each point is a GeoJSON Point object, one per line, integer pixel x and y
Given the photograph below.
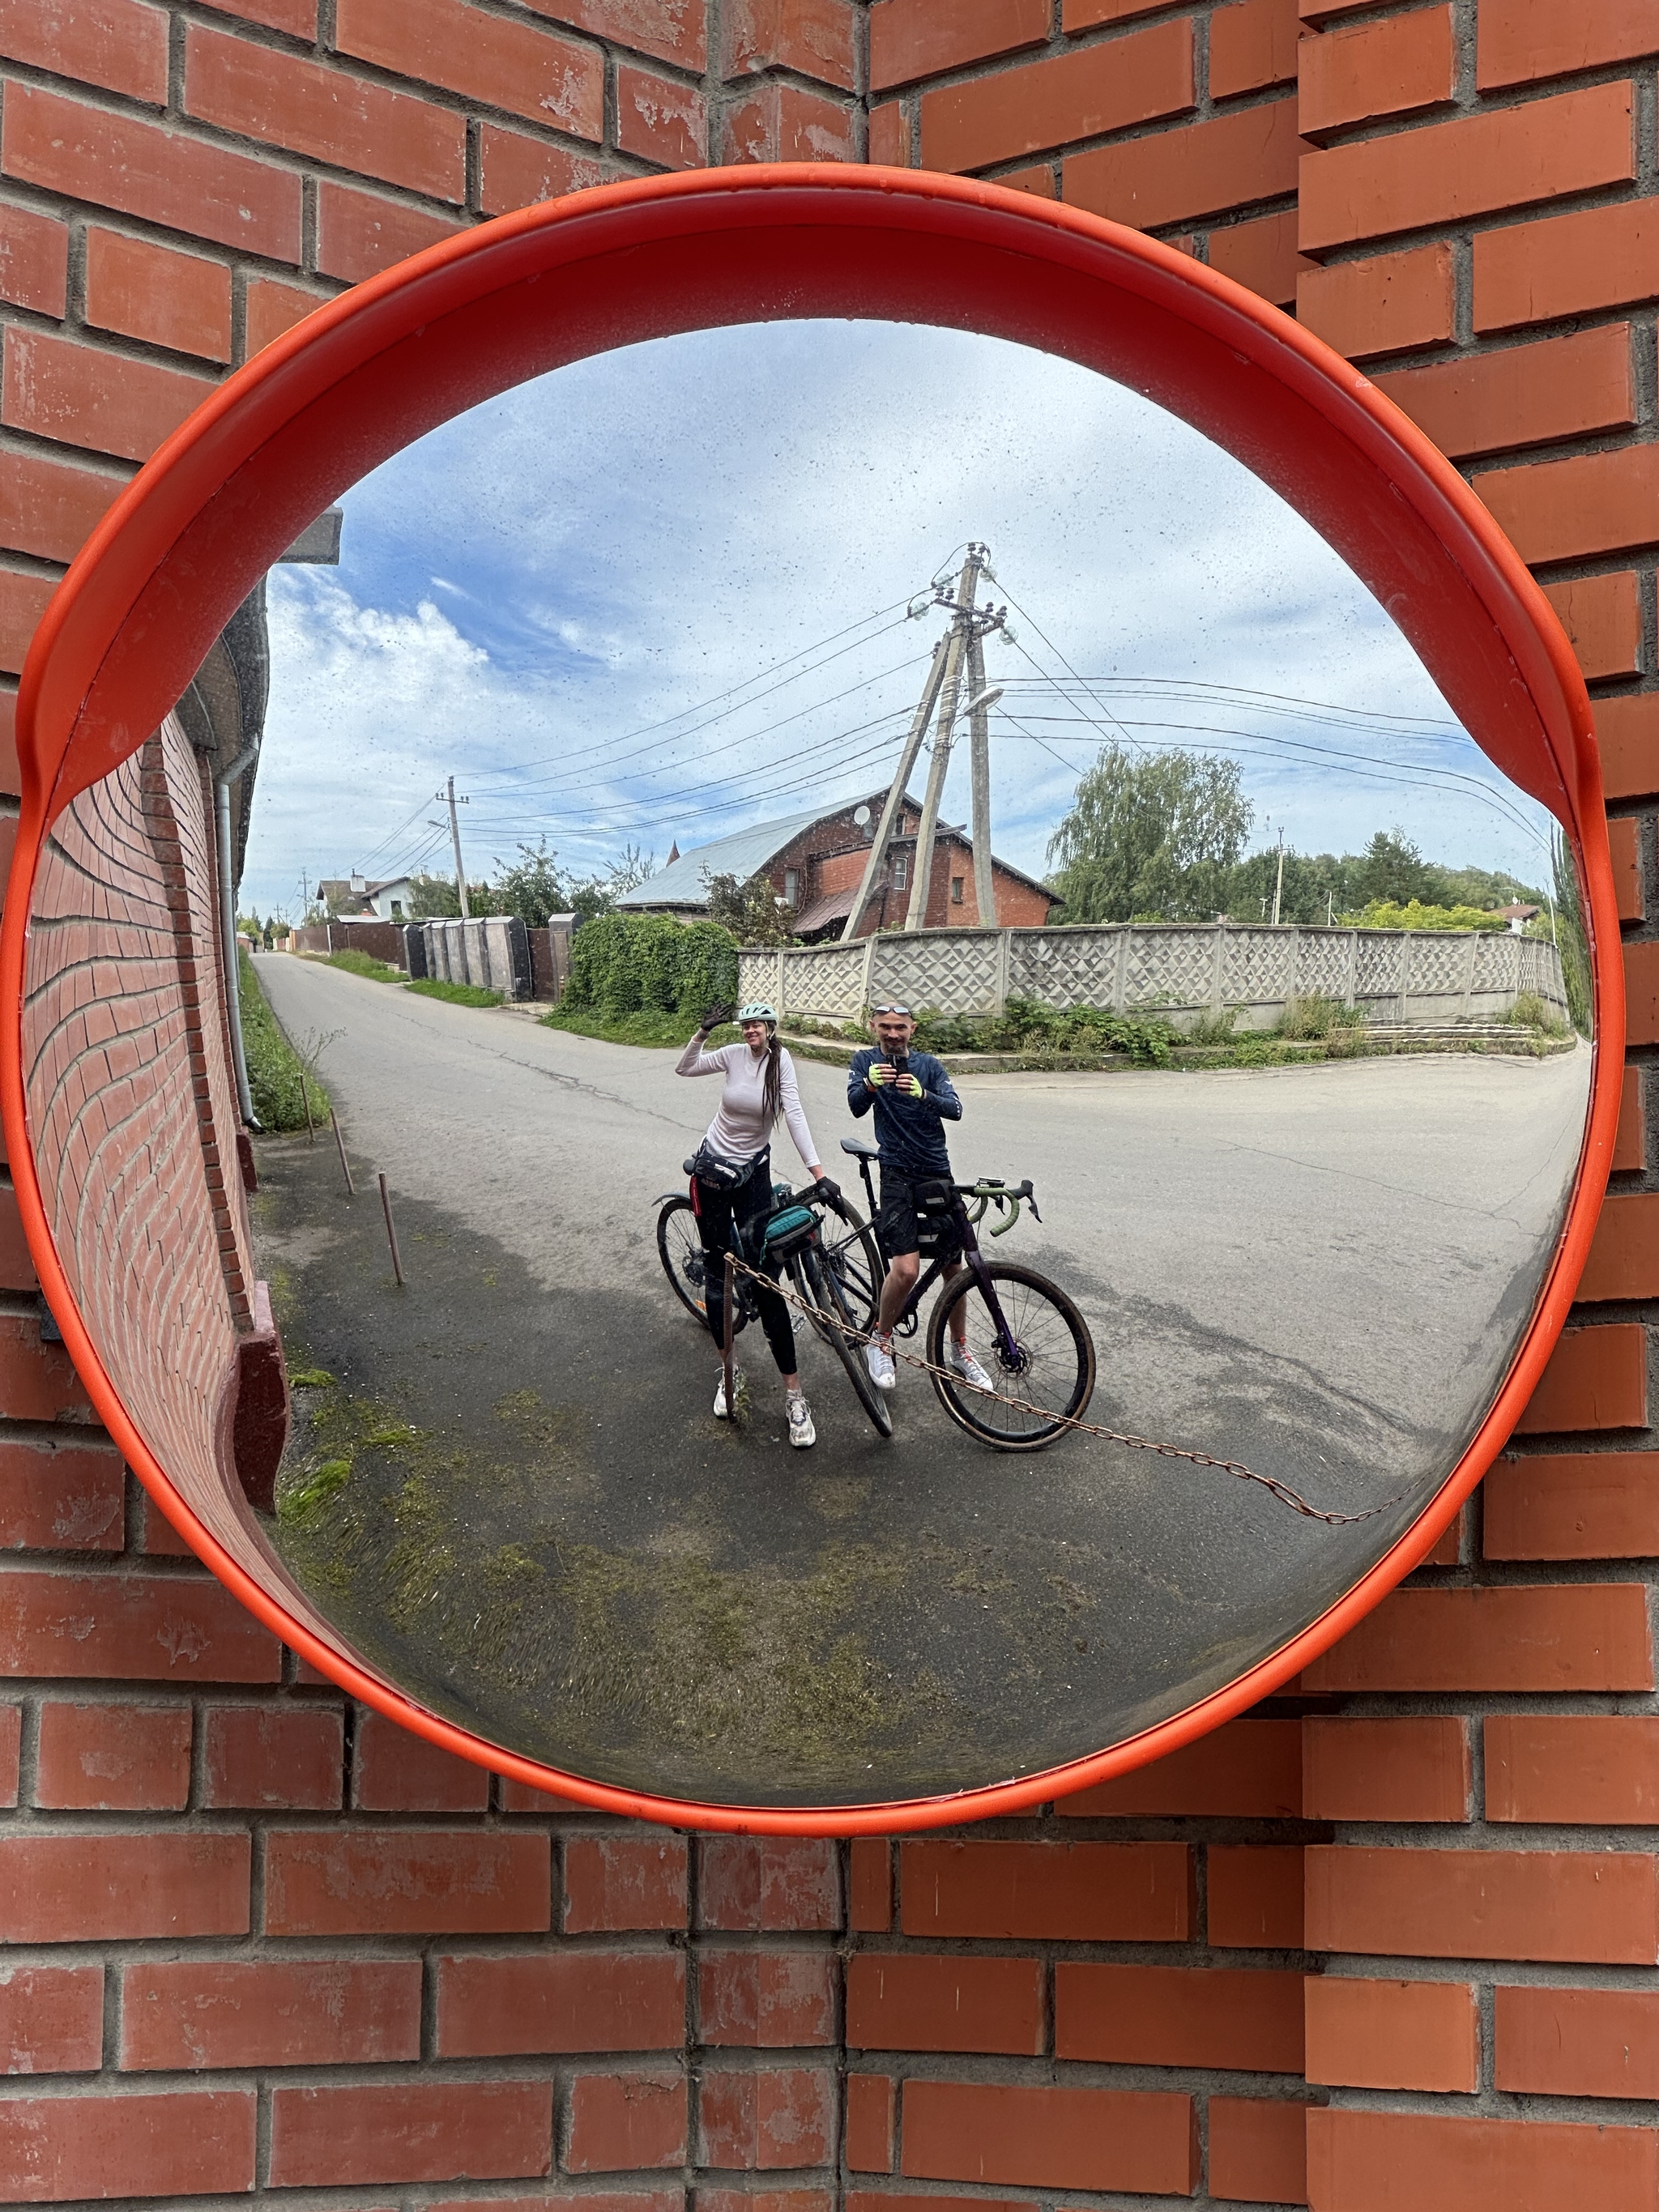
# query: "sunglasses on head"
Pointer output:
{"type": "Point", "coordinates": [904, 1011]}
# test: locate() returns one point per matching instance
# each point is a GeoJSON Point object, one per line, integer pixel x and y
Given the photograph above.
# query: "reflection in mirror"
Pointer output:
{"type": "Point", "coordinates": [1088, 844]}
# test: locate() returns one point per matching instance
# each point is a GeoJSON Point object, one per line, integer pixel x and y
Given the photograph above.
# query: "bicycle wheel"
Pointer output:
{"type": "Point", "coordinates": [679, 1246]}
{"type": "Point", "coordinates": [1054, 1369]}
{"type": "Point", "coordinates": [852, 1256]}
{"type": "Point", "coordinates": [826, 1296]}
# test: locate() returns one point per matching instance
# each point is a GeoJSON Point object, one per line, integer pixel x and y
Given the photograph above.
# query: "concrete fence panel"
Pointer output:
{"type": "Point", "coordinates": [1187, 972]}
{"type": "Point", "coordinates": [492, 952]}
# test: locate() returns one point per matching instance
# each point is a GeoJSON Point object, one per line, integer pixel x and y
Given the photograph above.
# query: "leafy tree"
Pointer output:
{"type": "Point", "coordinates": [530, 889]}
{"type": "Point", "coordinates": [1485, 888]}
{"type": "Point", "coordinates": [1563, 921]}
{"type": "Point", "coordinates": [750, 910]}
{"type": "Point", "coordinates": [629, 870]}
{"type": "Point", "coordinates": [433, 898]}
{"type": "Point", "coordinates": [1392, 868]}
{"type": "Point", "coordinates": [1315, 887]}
{"type": "Point", "coordinates": [1154, 833]}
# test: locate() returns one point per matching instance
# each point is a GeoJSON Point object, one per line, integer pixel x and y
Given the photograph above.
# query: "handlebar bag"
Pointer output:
{"type": "Point", "coordinates": [788, 1231]}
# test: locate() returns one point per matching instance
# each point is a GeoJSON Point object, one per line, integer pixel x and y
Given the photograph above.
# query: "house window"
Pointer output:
{"type": "Point", "coordinates": [901, 872]}
{"type": "Point", "coordinates": [956, 890]}
{"type": "Point", "coordinates": [792, 886]}
{"type": "Point", "coordinates": [396, 909]}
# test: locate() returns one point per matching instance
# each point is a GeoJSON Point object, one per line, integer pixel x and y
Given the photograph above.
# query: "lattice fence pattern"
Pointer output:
{"type": "Point", "coordinates": [1186, 972]}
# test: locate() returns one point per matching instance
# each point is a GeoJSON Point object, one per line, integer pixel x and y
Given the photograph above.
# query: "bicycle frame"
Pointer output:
{"type": "Point", "coordinates": [972, 1258]}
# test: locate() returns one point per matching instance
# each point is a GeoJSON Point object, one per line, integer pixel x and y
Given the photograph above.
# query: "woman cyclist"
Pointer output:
{"type": "Point", "coordinates": [731, 1185]}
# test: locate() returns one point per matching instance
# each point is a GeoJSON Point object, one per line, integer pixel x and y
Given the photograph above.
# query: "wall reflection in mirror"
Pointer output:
{"type": "Point", "coordinates": [1164, 1026]}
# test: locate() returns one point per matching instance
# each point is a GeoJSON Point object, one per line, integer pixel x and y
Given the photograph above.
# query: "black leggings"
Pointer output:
{"type": "Point", "coordinates": [718, 1213]}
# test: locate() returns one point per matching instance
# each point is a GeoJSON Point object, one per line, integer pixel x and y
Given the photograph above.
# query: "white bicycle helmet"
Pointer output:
{"type": "Point", "coordinates": [758, 1011]}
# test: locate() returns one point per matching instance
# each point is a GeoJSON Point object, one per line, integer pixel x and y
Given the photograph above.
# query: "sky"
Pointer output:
{"type": "Point", "coordinates": [660, 595]}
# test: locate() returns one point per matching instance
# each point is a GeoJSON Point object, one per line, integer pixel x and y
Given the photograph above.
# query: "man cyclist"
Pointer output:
{"type": "Point", "coordinates": [912, 1098]}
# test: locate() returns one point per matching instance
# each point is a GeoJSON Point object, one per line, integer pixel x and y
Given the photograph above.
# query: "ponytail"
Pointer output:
{"type": "Point", "coordinates": [772, 1086]}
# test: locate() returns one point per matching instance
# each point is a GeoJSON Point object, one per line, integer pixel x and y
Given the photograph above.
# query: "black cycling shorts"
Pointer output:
{"type": "Point", "coordinates": [900, 1228]}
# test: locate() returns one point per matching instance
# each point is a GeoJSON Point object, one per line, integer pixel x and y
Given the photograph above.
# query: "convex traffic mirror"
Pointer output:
{"type": "Point", "coordinates": [920, 1047]}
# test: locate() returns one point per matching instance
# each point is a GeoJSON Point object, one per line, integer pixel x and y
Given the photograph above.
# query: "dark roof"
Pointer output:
{"type": "Point", "coordinates": [834, 906]}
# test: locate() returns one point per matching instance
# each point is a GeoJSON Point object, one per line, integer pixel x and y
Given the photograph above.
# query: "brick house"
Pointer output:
{"type": "Point", "coordinates": [816, 862]}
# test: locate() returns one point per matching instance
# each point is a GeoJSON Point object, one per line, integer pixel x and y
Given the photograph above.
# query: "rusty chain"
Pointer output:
{"type": "Point", "coordinates": [1280, 1490]}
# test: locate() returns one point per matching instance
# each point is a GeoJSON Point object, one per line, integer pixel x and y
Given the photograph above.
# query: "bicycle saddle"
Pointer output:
{"type": "Point", "coordinates": [860, 1150]}
{"type": "Point", "coordinates": [689, 1167]}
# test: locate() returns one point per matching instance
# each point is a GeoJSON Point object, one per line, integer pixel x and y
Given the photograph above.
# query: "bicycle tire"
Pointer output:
{"type": "Point", "coordinates": [679, 1246]}
{"type": "Point", "coordinates": [826, 1296]}
{"type": "Point", "coordinates": [1054, 1340]}
{"type": "Point", "coordinates": [854, 1258]}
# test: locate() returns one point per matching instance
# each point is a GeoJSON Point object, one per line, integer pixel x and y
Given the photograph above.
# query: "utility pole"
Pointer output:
{"type": "Point", "coordinates": [943, 689]}
{"type": "Point", "coordinates": [979, 754]}
{"type": "Point", "coordinates": [894, 797]}
{"type": "Point", "coordinates": [1278, 887]}
{"type": "Point", "coordinates": [455, 840]}
{"type": "Point", "coordinates": [950, 691]}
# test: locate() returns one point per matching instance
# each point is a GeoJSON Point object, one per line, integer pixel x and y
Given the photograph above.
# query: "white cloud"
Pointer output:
{"type": "Point", "coordinates": [634, 534]}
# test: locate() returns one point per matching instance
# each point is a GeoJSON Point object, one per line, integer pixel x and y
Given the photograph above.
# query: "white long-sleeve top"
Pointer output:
{"type": "Point", "coordinates": [739, 1130]}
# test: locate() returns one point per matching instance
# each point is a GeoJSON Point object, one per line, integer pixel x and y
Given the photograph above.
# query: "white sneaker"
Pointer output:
{"type": "Point", "coordinates": [963, 1363]}
{"type": "Point", "coordinates": [722, 1411]}
{"type": "Point", "coordinates": [801, 1431]}
{"type": "Point", "coordinates": [879, 1358]}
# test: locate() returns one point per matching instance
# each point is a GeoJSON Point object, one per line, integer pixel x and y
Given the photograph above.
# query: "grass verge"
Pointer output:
{"type": "Point", "coordinates": [276, 1076]}
{"type": "Point", "coordinates": [457, 994]}
{"type": "Point", "coordinates": [647, 1025]}
{"type": "Point", "coordinates": [361, 963]}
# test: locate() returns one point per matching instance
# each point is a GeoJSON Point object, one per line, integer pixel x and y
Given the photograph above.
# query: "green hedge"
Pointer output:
{"type": "Point", "coordinates": [622, 962]}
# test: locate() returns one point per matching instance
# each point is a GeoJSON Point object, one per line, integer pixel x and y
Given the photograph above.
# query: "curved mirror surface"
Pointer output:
{"type": "Point", "coordinates": [1235, 1035]}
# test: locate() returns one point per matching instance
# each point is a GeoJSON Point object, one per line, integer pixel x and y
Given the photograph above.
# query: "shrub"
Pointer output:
{"type": "Point", "coordinates": [1211, 1029]}
{"type": "Point", "coordinates": [1026, 1025]}
{"type": "Point", "coordinates": [620, 963]}
{"type": "Point", "coordinates": [1315, 1016]}
{"type": "Point", "coordinates": [1529, 1012]}
{"type": "Point", "coordinates": [1389, 913]}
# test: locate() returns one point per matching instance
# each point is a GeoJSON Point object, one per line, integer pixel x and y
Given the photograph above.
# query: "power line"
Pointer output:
{"type": "Point", "coordinates": [750, 736]}
{"type": "Point", "coordinates": [1277, 748]}
{"type": "Point", "coordinates": [647, 729]}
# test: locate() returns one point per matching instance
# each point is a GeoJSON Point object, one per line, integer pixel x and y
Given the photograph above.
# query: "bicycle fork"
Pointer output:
{"type": "Point", "coordinates": [1007, 1347]}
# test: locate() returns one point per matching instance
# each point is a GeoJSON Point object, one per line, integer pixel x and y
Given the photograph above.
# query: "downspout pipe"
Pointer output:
{"type": "Point", "coordinates": [221, 784]}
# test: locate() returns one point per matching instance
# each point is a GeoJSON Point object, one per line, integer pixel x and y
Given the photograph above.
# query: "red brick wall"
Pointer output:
{"type": "Point", "coordinates": [1390, 1945]}
{"type": "Point", "coordinates": [126, 1072]}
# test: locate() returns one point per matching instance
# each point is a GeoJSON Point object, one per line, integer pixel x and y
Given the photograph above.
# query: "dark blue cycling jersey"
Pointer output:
{"type": "Point", "coordinates": [910, 1131]}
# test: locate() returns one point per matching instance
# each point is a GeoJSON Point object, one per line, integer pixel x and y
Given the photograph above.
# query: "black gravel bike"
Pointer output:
{"type": "Point", "coordinates": [1034, 1341]}
{"type": "Point", "coordinates": [818, 1241]}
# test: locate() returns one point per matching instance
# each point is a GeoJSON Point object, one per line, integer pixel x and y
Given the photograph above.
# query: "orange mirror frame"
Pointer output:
{"type": "Point", "coordinates": [376, 368]}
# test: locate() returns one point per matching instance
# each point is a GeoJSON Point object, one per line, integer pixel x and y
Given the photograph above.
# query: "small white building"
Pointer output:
{"type": "Point", "coordinates": [357, 899]}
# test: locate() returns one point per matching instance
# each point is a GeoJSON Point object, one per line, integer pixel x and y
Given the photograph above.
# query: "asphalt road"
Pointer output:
{"type": "Point", "coordinates": [1319, 1272]}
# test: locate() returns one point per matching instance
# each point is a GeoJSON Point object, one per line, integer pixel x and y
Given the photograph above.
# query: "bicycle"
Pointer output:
{"type": "Point", "coordinates": [1041, 1354]}
{"type": "Point", "coordinates": [836, 1277]}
